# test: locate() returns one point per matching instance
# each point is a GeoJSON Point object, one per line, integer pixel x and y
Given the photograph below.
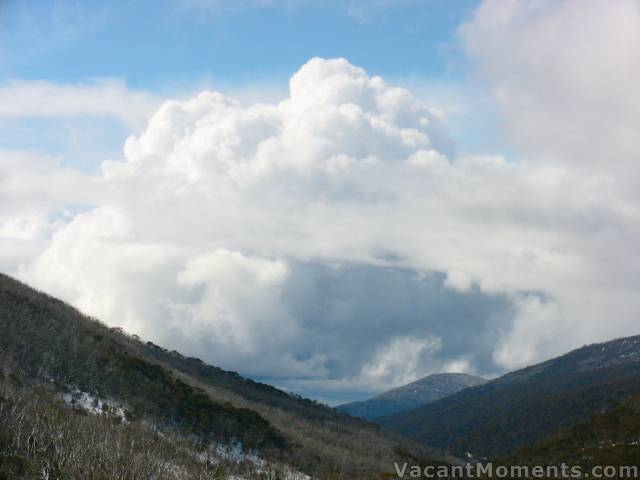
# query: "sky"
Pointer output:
{"type": "Point", "coordinates": [336, 197]}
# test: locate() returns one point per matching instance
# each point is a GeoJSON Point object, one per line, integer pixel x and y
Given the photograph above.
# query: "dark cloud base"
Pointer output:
{"type": "Point", "coordinates": [348, 313]}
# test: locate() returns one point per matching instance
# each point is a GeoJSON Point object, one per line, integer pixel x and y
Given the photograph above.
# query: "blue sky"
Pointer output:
{"type": "Point", "coordinates": [156, 44]}
{"type": "Point", "coordinates": [172, 48]}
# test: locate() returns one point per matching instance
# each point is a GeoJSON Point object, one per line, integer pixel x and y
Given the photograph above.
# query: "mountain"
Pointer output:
{"type": "Point", "coordinates": [412, 395]}
{"type": "Point", "coordinates": [523, 407]}
{"type": "Point", "coordinates": [86, 401]}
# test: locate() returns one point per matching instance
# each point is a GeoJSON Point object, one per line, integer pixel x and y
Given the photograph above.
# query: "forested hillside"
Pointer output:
{"type": "Point", "coordinates": [611, 437]}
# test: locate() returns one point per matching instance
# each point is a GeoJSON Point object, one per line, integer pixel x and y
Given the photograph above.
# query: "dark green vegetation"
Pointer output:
{"type": "Point", "coordinates": [525, 406]}
{"type": "Point", "coordinates": [50, 348]}
{"type": "Point", "coordinates": [611, 437]}
{"type": "Point", "coordinates": [423, 391]}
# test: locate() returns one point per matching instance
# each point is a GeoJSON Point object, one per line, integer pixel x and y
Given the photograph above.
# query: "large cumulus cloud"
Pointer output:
{"type": "Point", "coordinates": [336, 240]}
{"type": "Point", "coordinates": [293, 240]}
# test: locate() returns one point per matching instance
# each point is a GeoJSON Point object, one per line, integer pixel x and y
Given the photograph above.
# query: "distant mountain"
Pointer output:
{"type": "Point", "coordinates": [91, 397]}
{"type": "Point", "coordinates": [525, 406]}
{"type": "Point", "coordinates": [412, 395]}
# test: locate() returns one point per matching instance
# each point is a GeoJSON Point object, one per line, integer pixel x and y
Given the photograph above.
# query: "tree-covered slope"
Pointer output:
{"type": "Point", "coordinates": [610, 437]}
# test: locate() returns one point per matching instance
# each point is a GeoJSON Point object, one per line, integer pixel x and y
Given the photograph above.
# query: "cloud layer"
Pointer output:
{"type": "Point", "coordinates": [335, 240]}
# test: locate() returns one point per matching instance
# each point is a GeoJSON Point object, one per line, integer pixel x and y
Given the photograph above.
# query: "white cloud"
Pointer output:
{"type": "Point", "coordinates": [300, 238]}
{"type": "Point", "coordinates": [565, 73]}
{"type": "Point", "coordinates": [399, 361]}
{"type": "Point", "coordinates": [100, 97]}
{"type": "Point", "coordinates": [239, 308]}
{"type": "Point", "coordinates": [34, 191]}
{"type": "Point", "coordinates": [35, 194]}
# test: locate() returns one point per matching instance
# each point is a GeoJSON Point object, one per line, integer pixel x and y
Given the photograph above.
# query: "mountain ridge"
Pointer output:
{"type": "Point", "coordinates": [406, 397]}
